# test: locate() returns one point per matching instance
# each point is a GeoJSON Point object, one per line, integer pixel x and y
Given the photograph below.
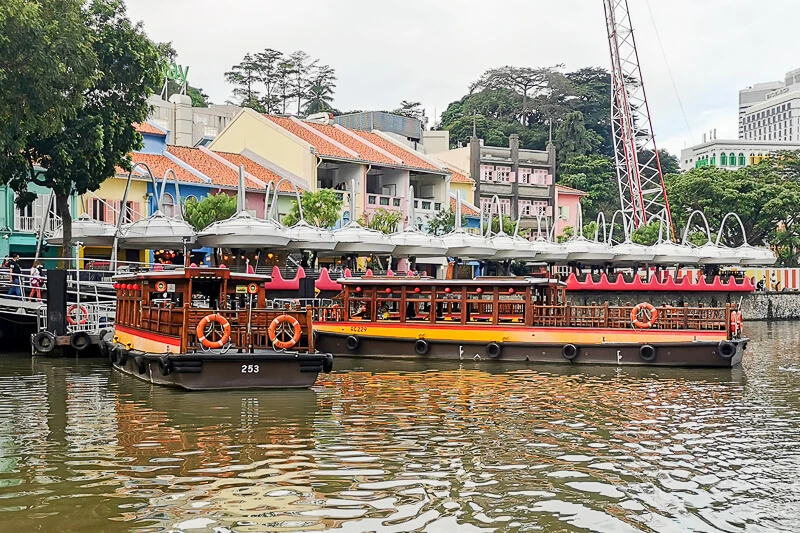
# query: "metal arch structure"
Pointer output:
{"type": "Point", "coordinates": [643, 197]}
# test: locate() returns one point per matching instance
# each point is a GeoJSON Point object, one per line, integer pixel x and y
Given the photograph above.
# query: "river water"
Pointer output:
{"type": "Point", "coordinates": [397, 447]}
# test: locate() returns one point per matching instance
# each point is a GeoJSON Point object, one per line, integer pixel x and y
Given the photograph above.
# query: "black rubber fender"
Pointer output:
{"type": "Point", "coordinates": [493, 350]}
{"type": "Point", "coordinates": [141, 364]}
{"type": "Point", "coordinates": [122, 356]}
{"type": "Point", "coordinates": [165, 365]}
{"type": "Point", "coordinates": [327, 364]}
{"type": "Point", "coordinates": [80, 340]}
{"type": "Point", "coordinates": [647, 353]}
{"type": "Point", "coordinates": [421, 346]}
{"type": "Point", "coordinates": [570, 352]}
{"type": "Point", "coordinates": [726, 349]}
{"type": "Point", "coordinates": [353, 343]}
{"type": "Point", "coordinates": [44, 342]}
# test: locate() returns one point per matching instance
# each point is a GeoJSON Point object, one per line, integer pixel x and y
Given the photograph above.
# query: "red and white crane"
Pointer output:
{"type": "Point", "coordinates": [642, 193]}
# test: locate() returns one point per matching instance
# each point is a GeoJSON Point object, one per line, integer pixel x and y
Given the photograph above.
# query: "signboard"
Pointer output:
{"type": "Point", "coordinates": [177, 73]}
{"type": "Point", "coordinates": [170, 287]}
{"type": "Point", "coordinates": [241, 289]}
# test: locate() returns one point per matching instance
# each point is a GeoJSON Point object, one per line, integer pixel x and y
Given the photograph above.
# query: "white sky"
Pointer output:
{"type": "Point", "coordinates": [385, 51]}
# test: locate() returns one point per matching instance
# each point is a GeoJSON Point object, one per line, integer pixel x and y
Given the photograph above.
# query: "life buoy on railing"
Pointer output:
{"type": "Point", "coordinates": [649, 312]}
{"type": "Point", "coordinates": [737, 323]}
{"type": "Point", "coordinates": [282, 321]}
{"type": "Point", "coordinates": [161, 286]}
{"type": "Point", "coordinates": [201, 331]}
{"type": "Point", "coordinates": [83, 315]}
{"type": "Point", "coordinates": [252, 288]}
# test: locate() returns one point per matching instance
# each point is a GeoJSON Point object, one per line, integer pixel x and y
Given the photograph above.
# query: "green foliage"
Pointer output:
{"type": "Point", "coordinates": [411, 110]}
{"type": "Point", "coordinates": [765, 196]}
{"type": "Point", "coordinates": [594, 175]}
{"type": "Point", "coordinates": [168, 55]}
{"type": "Point", "coordinates": [526, 101]}
{"type": "Point", "coordinates": [508, 225]}
{"type": "Point", "coordinates": [573, 139]}
{"type": "Point", "coordinates": [444, 222]}
{"type": "Point", "coordinates": [646, 235]}
{"type": "Point", "coordinates": [213, 208]}
{"type": "Point", "coordinates": [322, 208]}
{"type": "Point", "coordinates": [270, 82]}
{"type": "Point", "coordinates": [86, 141]}
{"type": "Point", "coordinates": [566, 234]}
{"type": "Point", "coordinates": [384, 220]}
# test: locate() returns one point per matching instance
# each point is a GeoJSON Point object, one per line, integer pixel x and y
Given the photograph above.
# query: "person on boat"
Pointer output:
{"type": "Point", "coordinates": [36, 281]}
{"type": "Point", "coordinates": [15, 272]}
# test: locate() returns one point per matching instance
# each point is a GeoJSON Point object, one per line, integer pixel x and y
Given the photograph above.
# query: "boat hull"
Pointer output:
{"type": "Point", "coordinates": [544, 345]}
{"type": "Point", "coordinates": [265, 369]}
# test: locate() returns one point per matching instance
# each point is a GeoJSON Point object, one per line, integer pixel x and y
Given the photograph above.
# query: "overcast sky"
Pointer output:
{"type": "Point", "coordinates": [385, 51]}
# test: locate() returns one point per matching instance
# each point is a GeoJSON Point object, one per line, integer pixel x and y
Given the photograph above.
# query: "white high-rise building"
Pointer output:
{"type": "Point", "coordinates": [770, 112]}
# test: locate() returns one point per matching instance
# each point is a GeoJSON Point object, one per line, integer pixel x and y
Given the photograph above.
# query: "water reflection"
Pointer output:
{"type": "Point", "coordinates": [402, 446]}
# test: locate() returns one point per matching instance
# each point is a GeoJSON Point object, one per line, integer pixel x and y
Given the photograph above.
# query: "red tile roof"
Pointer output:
{"type": "Point", "coordinates": [364, 151]}
{"type": "Point", "coordinates": [570, 190]}
{"type": "Point", "coordinates": [465, 209]}
{"type": "Point", "coordinates": [220, 173]}
{"type": "Point", "coordinates": [409, 158]}
{"type": "Point", "coordinates": [323, 146]}
{"type": "Point", "coordinates": [262, 173]}
{"type": "Point", "coordinates": [159, 164]}
{"type": "Point", "coordinates": [146, 127]}
{"type": "Point", "coordinates": [458, 176]}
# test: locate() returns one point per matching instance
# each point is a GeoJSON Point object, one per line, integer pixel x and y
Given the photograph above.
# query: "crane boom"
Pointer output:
{"type": "Point", "coordinates": [643, 197]}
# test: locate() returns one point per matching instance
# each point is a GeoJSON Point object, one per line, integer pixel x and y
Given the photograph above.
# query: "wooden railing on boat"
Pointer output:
{"type": "Point", "coordinates": [249, 327]}
{"type": "Point", "coordinates": [544, 306]}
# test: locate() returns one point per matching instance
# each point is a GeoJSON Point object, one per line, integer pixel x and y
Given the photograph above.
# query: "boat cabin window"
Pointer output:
{"type": "Point", "coordinates": [172, 296]}
{"type": "Point", "coordinates": [206, 293]}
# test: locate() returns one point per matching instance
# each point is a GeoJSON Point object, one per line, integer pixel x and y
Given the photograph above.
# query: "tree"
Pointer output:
{"type": "Point", "coordinates": [594, 175]}
{"type": "Point", "coordinates": [508, 225]}
{"type": "Point", "coordinates": [322, 208]}
{"type": "Point", "coordinates": [169, 55]}
{"type": "Point", "coordinates": [47, 64]}
{"type": "Point", "coordinates": [573, 139]}
{"type": "Point", "coordinates": [213, 208]}
{"type": "Point", "coordinates": [443, 222]}
{"type": "Point", "coordinates": [244, 78]}
{"type": "Point", "coordinates": [320, 91]}
{"type": "Point", "coordinates": [302, 65]}
{"type": "Point", "coordinates": [384, 220]}
{"type": "Point", "coordinates": [412, 110]}
{"type": "Point", "coordinates": [267, 68]}
{"type": "Point", "coordinates": [94, 138]}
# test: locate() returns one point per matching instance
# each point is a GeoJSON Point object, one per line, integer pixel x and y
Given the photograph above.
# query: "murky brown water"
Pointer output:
{"type": "Point", "coordinates": [392, 447]}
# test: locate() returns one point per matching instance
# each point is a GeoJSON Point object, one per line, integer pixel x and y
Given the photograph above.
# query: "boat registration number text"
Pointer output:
{"type": "Point", "coordinates": [358, 329]}
{"type": "Point", "coordinates": [250, 369]}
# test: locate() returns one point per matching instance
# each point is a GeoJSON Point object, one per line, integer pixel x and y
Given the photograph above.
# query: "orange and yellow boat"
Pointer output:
{"type": "Point", "coordinates": [519, 319]}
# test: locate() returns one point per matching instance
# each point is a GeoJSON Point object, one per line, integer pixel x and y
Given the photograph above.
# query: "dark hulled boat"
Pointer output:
{"type": "Point", "coordinates": [520, 319]}
{"type": "Point", "coordinates": [210, 329]}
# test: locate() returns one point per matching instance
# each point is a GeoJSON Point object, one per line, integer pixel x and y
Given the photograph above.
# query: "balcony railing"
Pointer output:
{"type": "Point", "coordinates": [427, 205]}
{"type": "Point", "coordinates": [376, 201]}
{"type": "Point", "coordinates": [34, 224]}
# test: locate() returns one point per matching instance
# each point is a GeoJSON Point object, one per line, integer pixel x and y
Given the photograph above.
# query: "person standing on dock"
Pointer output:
{"type": "Point", "coordinates": [15, 273]}
{"type": "Point", "coordinates": [36, 281]}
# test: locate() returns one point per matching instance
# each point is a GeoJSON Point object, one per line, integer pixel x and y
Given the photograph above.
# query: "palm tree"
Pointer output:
{"type": "Point", "coordinates": [320, 90]}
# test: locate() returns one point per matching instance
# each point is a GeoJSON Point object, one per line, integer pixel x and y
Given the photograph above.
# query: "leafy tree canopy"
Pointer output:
{"type": "Point", "coordinates": [322, 208]}
{"type": "Point", "coordinates": [383, 220]}
{"type": "Point", "coordinates": [443, 222]}
{"type": "Point", "coordinates": [213, 208]}
{"type": "Point", "coordinates": [90, 133]}
{"type": "Point", "coordinates": [573, 139]}
{"type": "Point", "coordinates": [594, 175]}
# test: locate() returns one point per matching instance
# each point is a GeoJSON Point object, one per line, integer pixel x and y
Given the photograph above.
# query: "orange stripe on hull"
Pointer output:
{"type": "Point", "coordinates": [146, 341]}
{"type": "Point", "coordinates": [486, 334]}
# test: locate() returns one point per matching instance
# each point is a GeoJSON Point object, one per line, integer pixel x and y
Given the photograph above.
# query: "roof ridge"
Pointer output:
{"type": "Point", "coordinates": [318, 133]}
{"type": "Point", "coordinates": [233, 167]}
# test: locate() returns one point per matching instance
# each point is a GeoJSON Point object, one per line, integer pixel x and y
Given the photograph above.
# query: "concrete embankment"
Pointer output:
{"type": "Point", "coordinates": [758, 306]}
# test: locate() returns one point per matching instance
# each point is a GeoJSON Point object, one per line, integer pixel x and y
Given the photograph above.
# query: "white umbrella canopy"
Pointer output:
{"type": "Point", "coordinates": [244, 231]}
{"type": "Point", "coordinates": [582, 249]}
{"type": "Point", "coordinates": [755, 256]}
{"type": "Point", "coordinates": [157, 231]}
{"type": "Point", "coordinates": [465, 245]}
{"type": "Point", "coordinates": [414, 243]}
{"type": "Point", "coordinates": [353, 238]}
{"type": "Point", "coordinates": [628, 253]}
{"type": "Point", "coordinates": [548, 251]}
{"type": "Point", "coordinates": [86, 230]}
{"type": "Point", "coordinates": [509, 247]}
{"type": "Point", "coordinates": [669, 253]}
{"type": "Point", "coordinates": [304, 236]}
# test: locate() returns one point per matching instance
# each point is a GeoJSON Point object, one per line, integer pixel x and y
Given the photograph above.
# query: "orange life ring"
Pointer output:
{"type": "Point", "coordinates": [252, 288]}
{"type": "Point", "coordinates": [201, 331]}
{"type": "Point", "coordinates": [161, 286]}
{"type": "Point", "coordinates": [84, 314]}
{"type": "Point", "coordinates": [649, 311]}
{"type": "Point", "coordinates": [273, 331]}
{"type": "Point", "coordinates": [737, 323]}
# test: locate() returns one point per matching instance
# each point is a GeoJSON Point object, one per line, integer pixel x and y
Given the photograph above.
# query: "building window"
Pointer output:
{"type": "Point", "coordinates": [563, 212]}
{"type": "Point", "coordinates": [742, 161]}
{"type": "Point", "coordinates": [732, 159]}
{"type": "Point", "coordinates": [168, 205]}
{"type": "Point", "coordinates": [97, 209]}
{"type": "Point", "coordinates": [723, 159]}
